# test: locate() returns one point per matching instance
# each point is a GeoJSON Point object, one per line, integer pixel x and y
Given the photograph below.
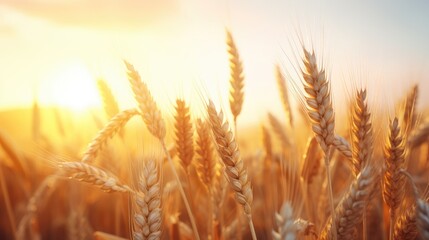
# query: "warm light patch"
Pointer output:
{"type": "Point", "coordinates": [72, 87]}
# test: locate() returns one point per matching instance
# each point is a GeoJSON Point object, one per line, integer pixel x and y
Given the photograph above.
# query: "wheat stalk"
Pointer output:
{"type": "Point", "coordinates": [94, 176]}
{"type": "Point", "coordinates": [206, 163]}
{"type": "Point", "coordinates": [362, 138]}
{"type": "Point", "coordinates": [112, 127]}
{"type": "Point", "coordinates": [318, 99]}
{"type": "Point", "coordinates": [149, 109]}
{"type": "Point", "coordinates": [349, 210]}
{"type": "Point", "coordinates": [156, 126]}
{"type": "Point", "coordinates": [321, 113]}
{"type": "Point", "coordinates": [284, 96]}
{"type": "Point", "coordinates": [148, 216]}
{"type": "Point", "coordinates": [394, 181]}
{"type": "Point", "coordinates": [236, 78]}
{"type": "Point", "coordinates": [234, 165]}
{"type": "Point", "coordinates": [184, 132]}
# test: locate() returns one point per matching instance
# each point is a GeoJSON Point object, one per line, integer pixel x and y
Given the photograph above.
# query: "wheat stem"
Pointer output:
{"type": "Point", "coordinates": [330, 192]}
{"type": "Point", "coordinates": [252, 227]}
{"type": "Point", "coordinates": [182, 192]}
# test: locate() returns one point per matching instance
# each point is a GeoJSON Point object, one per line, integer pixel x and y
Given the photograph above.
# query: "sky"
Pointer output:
{"type": "Point", "coordinates": [52, 50]}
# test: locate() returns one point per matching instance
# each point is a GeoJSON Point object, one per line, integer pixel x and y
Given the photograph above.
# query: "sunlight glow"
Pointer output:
{"type": "Point", "coordinates": [72, 87]}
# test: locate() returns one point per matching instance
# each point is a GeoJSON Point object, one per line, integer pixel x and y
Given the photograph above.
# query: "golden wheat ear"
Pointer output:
{"type": "Point", "coordinates": [184, 134]}
{"type": "Point", "coordinates": [236, 77]}
{"type": "Point", "coordinates": [362, 137]}
{"type": "Point", "coordinates": [205, 162]}
{"type": "Point", "coordinates": [394, 181]}
{"type": "Point", "coordinates": [115, 125]}
{"type": "Point", "coordinates": [318, 99]}
{"type": "Point", "coordinates": [321, 113]}
{"type": "Point", "coordinates": [93, 175]}
{"type": "Point", "coordinates": [147, 213]}
{"type": "Point", "coordinates": [234, 166]}
{"type": "Point", "coordinates": [149, 109]}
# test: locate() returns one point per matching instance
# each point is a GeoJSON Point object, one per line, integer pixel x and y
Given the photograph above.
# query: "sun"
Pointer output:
{"type": "Point", "coordinates": [71, 86]}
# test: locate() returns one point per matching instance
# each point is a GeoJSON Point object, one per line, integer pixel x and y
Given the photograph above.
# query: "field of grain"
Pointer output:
{"type": "Point", "coordinates": [303, 173]}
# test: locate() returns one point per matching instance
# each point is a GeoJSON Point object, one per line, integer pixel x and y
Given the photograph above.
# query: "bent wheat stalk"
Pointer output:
{"type": "Point", "coordinates": [234, 165]}
{"type": "Point", "coordinates": [112, 127]}
{"type": "Point", "coordinates": [94, 176]}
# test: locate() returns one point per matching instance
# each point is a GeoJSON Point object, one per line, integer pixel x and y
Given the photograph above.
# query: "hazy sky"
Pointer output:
{"type": "Point", "coordinates": [53, 48]}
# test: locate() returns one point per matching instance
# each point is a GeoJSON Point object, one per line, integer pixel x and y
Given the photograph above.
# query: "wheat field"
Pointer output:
{"type": "Point", "coordinates": [304, 173]}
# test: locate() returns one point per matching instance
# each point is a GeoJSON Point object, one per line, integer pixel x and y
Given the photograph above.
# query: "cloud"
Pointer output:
{"type": "Point", "coordinates": [104, 14]}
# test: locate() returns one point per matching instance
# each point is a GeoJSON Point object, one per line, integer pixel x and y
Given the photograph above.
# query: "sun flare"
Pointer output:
{"type": "Point", "coordinates": [72, 87]}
